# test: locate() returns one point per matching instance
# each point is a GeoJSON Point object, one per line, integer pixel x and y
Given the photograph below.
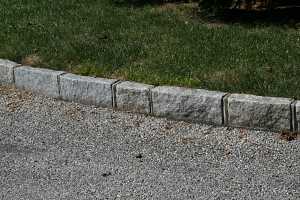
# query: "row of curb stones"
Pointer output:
{"type": "Point", "coordinates": [195, 105]}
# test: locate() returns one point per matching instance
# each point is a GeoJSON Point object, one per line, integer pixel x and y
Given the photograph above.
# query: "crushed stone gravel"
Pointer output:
{"type": "Point", "coordinates": [50, 149]}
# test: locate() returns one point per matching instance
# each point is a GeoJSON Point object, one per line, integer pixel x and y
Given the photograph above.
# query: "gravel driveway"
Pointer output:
{"type": "Point", "coordinates": [51, 149]}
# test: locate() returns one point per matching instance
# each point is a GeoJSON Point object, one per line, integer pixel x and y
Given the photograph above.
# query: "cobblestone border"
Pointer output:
{"type": "Point", "coordinates": [195, 105]}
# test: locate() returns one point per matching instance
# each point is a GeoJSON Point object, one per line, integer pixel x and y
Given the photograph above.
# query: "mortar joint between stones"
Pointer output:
{"type": "Point", "coordinates": [150, 101]}
{"type": "Point", "coordinates": [114, 93]}
{"type": "Point", "coordinates": [293, 116]}
{"type": "Point", "coordinates": [224, 108]}
{"type": "Point", "coordinates": [59, 84]}
{"type": "Point", "coordinates": [13, 73]}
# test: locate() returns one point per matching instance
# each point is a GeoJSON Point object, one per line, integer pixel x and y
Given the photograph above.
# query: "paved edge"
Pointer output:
{"type": "Point", "coordinates": [194, 105]}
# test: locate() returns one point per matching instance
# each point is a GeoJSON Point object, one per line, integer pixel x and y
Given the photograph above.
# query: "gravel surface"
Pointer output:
{"type": "Point", "coordinates": [51, 149]}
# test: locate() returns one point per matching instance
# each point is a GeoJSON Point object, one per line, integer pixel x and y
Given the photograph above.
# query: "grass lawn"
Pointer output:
{"type": "Point", "coordinates": [155, 44]}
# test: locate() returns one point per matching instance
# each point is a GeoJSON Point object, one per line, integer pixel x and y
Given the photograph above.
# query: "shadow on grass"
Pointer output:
{"type": "Point", "coordinates": [141, 3]}
{"type": "Point", "coordinates": [283, 17]}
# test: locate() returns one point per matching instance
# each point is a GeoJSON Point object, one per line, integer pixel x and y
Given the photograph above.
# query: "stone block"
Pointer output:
{"type": "Point", "coordinates": [188, 104]}
{"type": "Point", "coordinates": [133, 96]}
{"type": "Point", "coordinates": [7, 72]}
{"type": "Point", "coordinates": [87, 90]}
{"type": "Point", "coordinates": [42, 81]}
{"type": "Point", "coordinates": [258, 112]}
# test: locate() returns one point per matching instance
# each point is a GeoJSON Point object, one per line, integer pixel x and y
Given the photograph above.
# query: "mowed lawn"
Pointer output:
{"type": "Point", "coordinates": [156, 44]}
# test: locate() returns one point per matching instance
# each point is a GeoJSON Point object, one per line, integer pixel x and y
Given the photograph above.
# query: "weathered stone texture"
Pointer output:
{"type": "Point", "coordinates": [188, 104]}
{"type": "Point", "coordinates": [133, 97]}
{"type": "Point", "coordinates": [259, 112]}
{"type": "Point", "coordinates": [43, 81]}
{"type": "Point", "coordinates": [7, 72]}
{"type": "Point", "coordinates": [87, 90]}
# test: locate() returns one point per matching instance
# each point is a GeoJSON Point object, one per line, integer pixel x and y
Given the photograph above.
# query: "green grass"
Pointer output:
{"type": "Point", "coordinates": [160, 45]}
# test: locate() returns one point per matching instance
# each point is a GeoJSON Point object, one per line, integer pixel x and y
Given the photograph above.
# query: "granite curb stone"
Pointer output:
{"type": "Point", "coordinates": [259, 112]}
{"type": "Point", "coordinates": [133, 96]}
{"type": "Point", "coordinates": [195, 105]}
{"type": "Point", "coordinates": [7, 71]}
{"type": "Point", "coordinates": [43, 81]}
{"type": "Point", "coordinates": [87, 90]}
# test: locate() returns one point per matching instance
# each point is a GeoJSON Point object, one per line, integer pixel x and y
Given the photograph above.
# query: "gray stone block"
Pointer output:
{"type": "Point", "coordinates": [42, 81]}
{"type": "Point", "coordinates": [188, 104]}
{"type": "Point", "coordinates": [87, 90]}
{"type": "Point", "coordinates": [134, 97]}
{"type": "Point", "coordinates": [297, 115]}
{"type": "Point", "coordinates": [258, 112]}
{"type": "Point", "coordinates": [7, 72]}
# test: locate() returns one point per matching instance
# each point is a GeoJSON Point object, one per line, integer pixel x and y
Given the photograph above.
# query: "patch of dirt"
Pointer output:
{"type": "Point", "coordinates": [14, 98]}
{"type": "Point", "coordinates": [187, 140]}
{"type": "Point", "coordinates": [119, 76]}
{"type": "Point", "coordinates": [289, 136]}
{"type": "Point", "coordinates": [6, 90]}
{"type": "Point", "coordinates": [184, 11]}
{"type": "Point", "coordinates": [228, 77]}
{"type": "Point", "coordinates": [213, 25]}
{"type": "Point", "coordinates": [73, 112]}
{"type": "Point", "coordinates": [31, 60]}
